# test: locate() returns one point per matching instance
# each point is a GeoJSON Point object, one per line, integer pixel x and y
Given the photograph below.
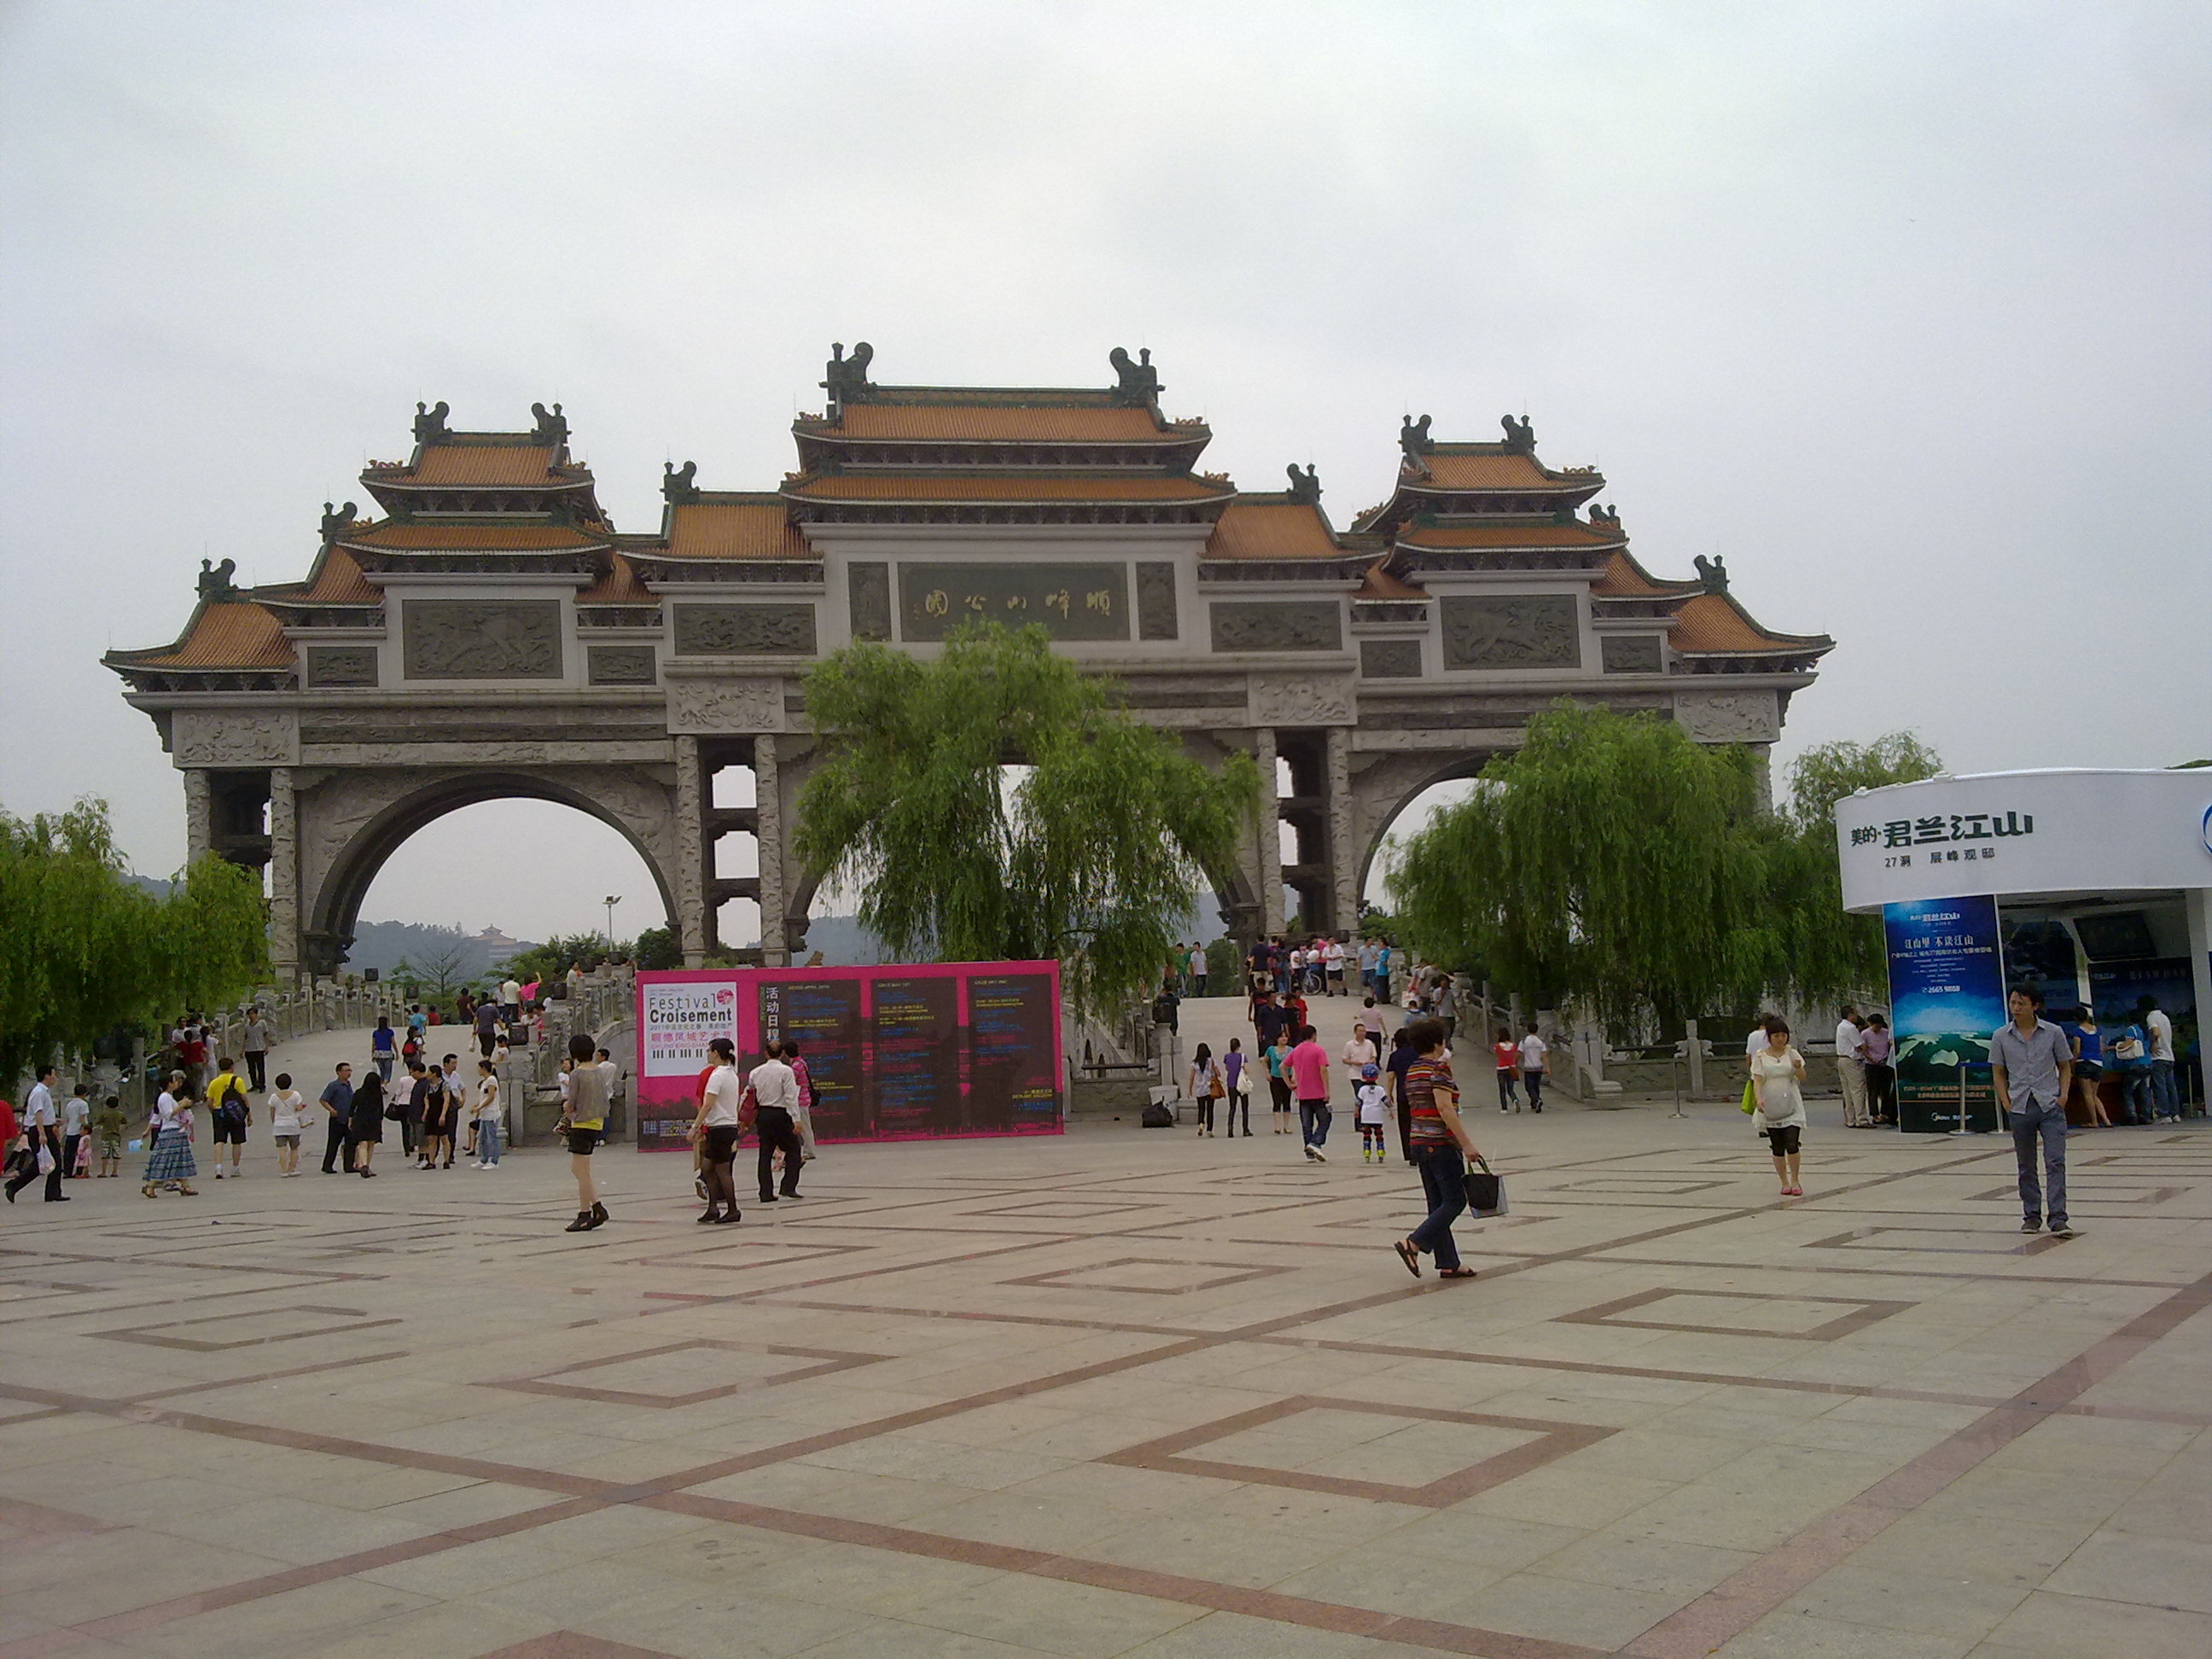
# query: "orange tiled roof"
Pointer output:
{"type": "Point", "coordinates": [1381, 584]}
{"type": "Point", "coordinates": [1271, 530]}
{"type": "Point", "coordinates": [1001, 424]}
{"type": "Point", "coordinates": [1625, 579]}
{"type": "Point", "coordinates": [239, 634]}
{"type": "Point", "coordinates": [1500, 469]}
{"type": "Point", "coordinates": [734, 530]}
{"type": "Point", "coordinates": [515, 537]}
{"type": "Point", "coordinates": [339, 581]}
{"type": "Point", "coordinates": [620, 586]}
{"type": "Point", "coordinates": [1712, 621]}
{"type": "Point", "coordinates": [1506, 535]}
{"type": "Point", "coordinates": [866, 487]}
{"type": "Point", "coordinates": [488, 465]}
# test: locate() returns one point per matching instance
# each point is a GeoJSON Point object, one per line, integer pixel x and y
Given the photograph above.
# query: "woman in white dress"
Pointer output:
{"type": "Point", "coordinates": [1778, 1077]}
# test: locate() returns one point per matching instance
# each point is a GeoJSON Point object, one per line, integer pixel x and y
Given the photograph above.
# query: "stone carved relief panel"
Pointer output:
{"type": "Point", "coordinates": [247, 738]}
{"type": "Point", "coordinates": [1390, 660]}
{"type": "Point", "coordinates": [620, 665]}
{"type": "Point", "coordinates": [1630, 654]}
{"type": "Point", "coordinates": [744, 631]}
{"type": "Point", "coordinates": [701, 705]}
{"type": "Point", "coordinates": [340, 665]}
{"type": "Point", "coordinates": [1728, 716]}
{"type": "Point", "coordinates": [1526, 630]}
{"type": "Point", "coordinates": [482, 639]}
{"type": "Point", "coordinates": [869, 587]}
{"type": "Point", "coordinates": [1156, 602]}
{"type": "Point", "coordinates": [1285, 700]}
{"type": "Point", "coordinates": [1278, 625]}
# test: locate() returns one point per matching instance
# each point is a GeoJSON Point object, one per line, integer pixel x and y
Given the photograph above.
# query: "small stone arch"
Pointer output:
{"type": "Point", "coordinates": [352, 824]}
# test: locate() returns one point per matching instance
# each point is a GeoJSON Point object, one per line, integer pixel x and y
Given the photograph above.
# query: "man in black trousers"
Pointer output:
{"type": "Point", "coordinates": [337, 1100]}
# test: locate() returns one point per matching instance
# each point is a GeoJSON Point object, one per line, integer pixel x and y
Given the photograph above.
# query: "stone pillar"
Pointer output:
{"type": "Point", "coordinates": [1343, 866]}
{"type": "Point", "coordinates": [691, 854]}
{"type": "Point", "coordinates": [283, 877]}
{"type": "Point", "coordinates": [199, 814]}
{"type": "Point", "coordinates": [1269, 867]}
{"type": "Point", "coordinates": [767, 802]}
{"type": "Point", "coordinates": [1762, 775]}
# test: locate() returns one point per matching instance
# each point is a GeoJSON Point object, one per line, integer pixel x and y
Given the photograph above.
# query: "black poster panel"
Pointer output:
{"type": "Point", "coordinates": [823, 1016]}
{"type": "Point", "coordinates": [916, 1043]}
{"type": "Point", "coordinates": [1011, 1085]}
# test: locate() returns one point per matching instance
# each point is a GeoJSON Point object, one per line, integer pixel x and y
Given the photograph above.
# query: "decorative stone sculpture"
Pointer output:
{"type": "Point", "coordinates": [552, 424]}
{"type": "Point", "coordinates": [845, 379]}
{"type": "Point", "coordinates": [1138, 381]}
{"type": "Point", "coordinates": [335, 524]}
{"type": "Point", "coordinates": [215, 584]}
{"type": "Point", "coordinates": [1305, 487]}
{"type": "Point", "coordinates": [430, 423]}
{"type": "Point", "coordinates": [676, 486]}
{"type": "Point", "coordinates": [1712, 572]}
{"type": "Point", "coordinates": [1414, 439]}
{"type": "Point", "coordinates": [1520, 435]}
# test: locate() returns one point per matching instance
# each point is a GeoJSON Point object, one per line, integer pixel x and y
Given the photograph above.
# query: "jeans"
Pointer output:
{"type": "Point", "coordinates": [1314, 1118]}
{"type": "Point", "coordinates": [1508, 1089]}
{"type": "Point", "coordinates": [1234, 1103]}
{"type": "Point", "coordinates": [2165, 1096]}
{"type": "Point", "coordinates": [257, 1069]}
{"type": "Point", "coordinates": [487, 1140]}
{"type": "Point", "coordinates": [384, 1064]}
{"type": "Point", "coordinates": [1534, 1082]}
{"type": "Point", "coordinates": [1443, 1171]}
{"type": "Point", "coordinates": [2045, 1122]}
{"type": "Point", "coordinates": [2137, 1094]}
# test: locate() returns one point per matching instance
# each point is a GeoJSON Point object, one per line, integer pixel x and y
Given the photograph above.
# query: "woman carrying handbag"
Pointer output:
{"type": "Point", "coordinates": [1206, 1085]}
{"type": "Point", "coordinates": [1441, 1146]}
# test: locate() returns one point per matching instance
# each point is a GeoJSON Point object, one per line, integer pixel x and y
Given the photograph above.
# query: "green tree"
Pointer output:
{"type": "Point", "coordinates": [1092, 858]}
{"type": "Point", "coordinates": [1602, 860]}
{"type": "Point", "coordinates": [84, 950]}
{"type": "Point", "coordinates": [657, 948]}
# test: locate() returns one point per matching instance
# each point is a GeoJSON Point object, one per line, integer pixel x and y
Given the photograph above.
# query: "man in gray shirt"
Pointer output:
{"type": "Point", "coordinates": [2034, 1071]}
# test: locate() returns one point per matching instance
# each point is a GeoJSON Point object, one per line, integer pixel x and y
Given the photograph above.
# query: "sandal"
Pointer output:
{"type": "Point", "coordinates": [1455, 1272]}
{"type": "Point", "coordinates": [1409, 1255]}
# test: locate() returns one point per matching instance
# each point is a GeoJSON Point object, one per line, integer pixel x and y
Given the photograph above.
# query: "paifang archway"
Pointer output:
{"type": "Point", "coordinates": [492, 633]}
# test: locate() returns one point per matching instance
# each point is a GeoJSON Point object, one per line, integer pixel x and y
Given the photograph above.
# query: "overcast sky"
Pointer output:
{"type": "Point", "coordinates": [1901, 308]}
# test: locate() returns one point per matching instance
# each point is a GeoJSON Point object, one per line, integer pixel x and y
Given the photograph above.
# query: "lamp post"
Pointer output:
{"type": "Point", "coordinates": [611, 901]}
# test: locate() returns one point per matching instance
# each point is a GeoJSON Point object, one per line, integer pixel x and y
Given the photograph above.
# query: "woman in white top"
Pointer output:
{"type": "Point", "coordinates": [286, 1104]}
{"type": "Point", "coordinates": [718, 1130]}
{"type": "Point", "coordinates": [1777, 1076]}
{"type": "Point", "coordinates": [1207, 1085]}
{"type": "Point", "coordinates": [489, 1114]}
{"type": "Point", "coordinates": [1359, 1051]}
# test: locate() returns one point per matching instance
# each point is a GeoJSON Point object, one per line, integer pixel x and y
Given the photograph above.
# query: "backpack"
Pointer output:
{"type": "Point", "coordinates": [230, 1110]}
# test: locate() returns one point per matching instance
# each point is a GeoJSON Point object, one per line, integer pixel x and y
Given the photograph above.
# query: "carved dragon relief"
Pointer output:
{"type": "Point", "coordinates": [259, 738]}
{"type": "Point", "coordinates": [710, 705]}
{"type": "Point", "coordinates": [1728, 716]}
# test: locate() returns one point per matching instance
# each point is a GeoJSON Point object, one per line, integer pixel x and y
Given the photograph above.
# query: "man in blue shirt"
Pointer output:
{"type": "Point", "coordinates": [337, 1101]}
{"type": "Point", "coordinates": [2033, 1065]}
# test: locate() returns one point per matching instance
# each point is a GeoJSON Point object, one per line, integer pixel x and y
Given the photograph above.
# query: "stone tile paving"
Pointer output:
{"type": "Point", "coordinates": [1120, 1393]}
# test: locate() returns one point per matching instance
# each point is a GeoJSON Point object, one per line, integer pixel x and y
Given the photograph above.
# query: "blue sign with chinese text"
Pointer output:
{"type": "Point", "coordinates": [1947, 998]}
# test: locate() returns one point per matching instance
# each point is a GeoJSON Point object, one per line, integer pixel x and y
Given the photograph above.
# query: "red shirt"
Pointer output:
{"type": "Point", "coordinates": [1509, 1055]}
{"type": "Point", "coordinates": [1425, 1123]}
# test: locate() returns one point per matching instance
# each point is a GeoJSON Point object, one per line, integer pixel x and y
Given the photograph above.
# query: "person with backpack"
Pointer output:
{"type": "Point", "coordinates": [231, 1109]}
{"type": "Point", "coordinates": [1205, 1085]}
{"type": "Point", "coordinates": [2131, 1059]}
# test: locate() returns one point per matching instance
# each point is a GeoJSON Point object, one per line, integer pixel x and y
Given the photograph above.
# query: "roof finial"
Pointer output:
{"type": "Point", "coordinates": [430, 423]}
{"type": "Point", "coordinates": [676, 486]}
{"type": "Point", "coordinates": [1520, 436]}
{"type": "Point", "coordinates": [215, 584]}
{"type": "Point", "coordinates": [1414, 439]}
{"type": "Point", "coordinates": [552, 424]}
{"type": "Point", "coordinates": [845, 379]}
{"type": "Point", "coordinates": [1137, 381]}
{"type": "Point", "coordinates": [1712, 572]}
{"type": "Point", "coordinates": [335, 524]}
{"type": "Point", "coordinates": [1305, 487]}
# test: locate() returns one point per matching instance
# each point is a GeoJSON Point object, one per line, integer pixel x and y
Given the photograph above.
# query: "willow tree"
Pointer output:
{"type": "Point", "coordinates": [1606, 860]}
{"type": "Point", "coordinates": [84, 950]}
{"type": "Point", "coordinates": [1093, 856]}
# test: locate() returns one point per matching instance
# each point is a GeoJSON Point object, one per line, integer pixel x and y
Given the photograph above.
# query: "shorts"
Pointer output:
{"type": "Point", "coordinates": [111, 1146]}
{"type": "Point", "coordinates": [721, 1143]}
{"type": "Point", "coordinates": [232, 1135]}
{"type": "Point", "coordinates": [2090, 1069]}
{"type": "Point", "coordinates": [1784, 1139]}
{"type": "Point", "coordinates": [582, 1143]}
{"type": "Point", "coordinates": [288, 1141]}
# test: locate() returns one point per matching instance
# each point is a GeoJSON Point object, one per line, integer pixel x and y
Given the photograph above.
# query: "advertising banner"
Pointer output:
{"type": "Point", "coordinates": [1947, 998]}
{"type": "Point", "coordinates": [903, 1051]}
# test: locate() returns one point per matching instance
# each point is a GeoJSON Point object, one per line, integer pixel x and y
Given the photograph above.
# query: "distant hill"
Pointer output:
{"type": "Point", "coordinates": [384, 945]}
{"type": "Point", "coordinates": [844, 943]}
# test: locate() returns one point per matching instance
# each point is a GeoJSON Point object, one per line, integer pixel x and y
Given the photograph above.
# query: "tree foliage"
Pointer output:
{"type": "Point", "coordinates": [1092, 858]}
{"type": "Point", "coordinates": [1613, 860]}
{"type": "Point", "coordinates": [84, 950]}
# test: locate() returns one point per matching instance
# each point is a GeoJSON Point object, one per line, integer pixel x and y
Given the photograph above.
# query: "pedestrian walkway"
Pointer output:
{"type": "Point", "coordinates": [1121, 1392]}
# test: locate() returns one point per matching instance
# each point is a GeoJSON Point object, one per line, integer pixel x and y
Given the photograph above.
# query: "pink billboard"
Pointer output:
{"type": "Point", "coordinates": [929, 1051]}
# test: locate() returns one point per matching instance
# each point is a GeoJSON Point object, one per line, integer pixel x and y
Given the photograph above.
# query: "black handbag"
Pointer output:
{"type": "Point", "coordinates": [1485, 1192]}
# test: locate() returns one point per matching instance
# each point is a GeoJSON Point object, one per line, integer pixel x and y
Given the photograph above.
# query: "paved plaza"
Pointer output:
{"type": "Point", "coordinates": [1122, 1393]}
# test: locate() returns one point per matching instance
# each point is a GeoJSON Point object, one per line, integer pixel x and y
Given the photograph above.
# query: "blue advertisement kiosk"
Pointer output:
{"type": "Point", "coordinates": [2093, 886]}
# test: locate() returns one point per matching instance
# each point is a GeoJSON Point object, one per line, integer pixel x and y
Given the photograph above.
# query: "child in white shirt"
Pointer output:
{"type": "Point", "coordinates": [1374, 1112]}
{"type": "Point", "coordinates": [287, 1109]}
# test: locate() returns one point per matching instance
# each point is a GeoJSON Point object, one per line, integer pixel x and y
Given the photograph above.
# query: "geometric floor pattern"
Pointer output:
{"type": "Point", "coordinates": [1124, 1393]}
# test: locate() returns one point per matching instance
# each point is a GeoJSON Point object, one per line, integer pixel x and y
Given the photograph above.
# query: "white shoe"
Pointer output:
{"type": "Point", "coordinates": [480, 1165]}
{"type": "Point", "coordinates": [218, 1175]}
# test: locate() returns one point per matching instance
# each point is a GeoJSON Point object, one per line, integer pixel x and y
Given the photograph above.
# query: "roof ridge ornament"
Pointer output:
{"type": "Point", "coordinates": [1414, 439]}
{"type": "Point", "coordinates": [335, 524]}
{"type": "Point", "coordinates": [1137, 380]}
{"type": "Point", "coordinates": [1606, 514]}
{"type": "Point", "coordinates": [676, 486]}
{"type": "Point", "coordinates": [215, 584]}
{"type": "Point", "coordinates": [1520, 435]}
{"type": "Point", "coordinates": [1712, 574]}
{"type": "Point", "coordinates": [430, 422]}
{"type": "Point", "coordinates": [552, 425]}
{"type": "Point", "coordinates": [845, 379]}
{"type": "Point", "coordinates": [1305, 487]}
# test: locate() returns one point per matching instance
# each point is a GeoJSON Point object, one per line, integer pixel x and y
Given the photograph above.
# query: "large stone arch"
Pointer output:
{"type": "Point", "coordinates": [350, 822]}
{"type": "Point", "coordinates": [1384, 785]}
